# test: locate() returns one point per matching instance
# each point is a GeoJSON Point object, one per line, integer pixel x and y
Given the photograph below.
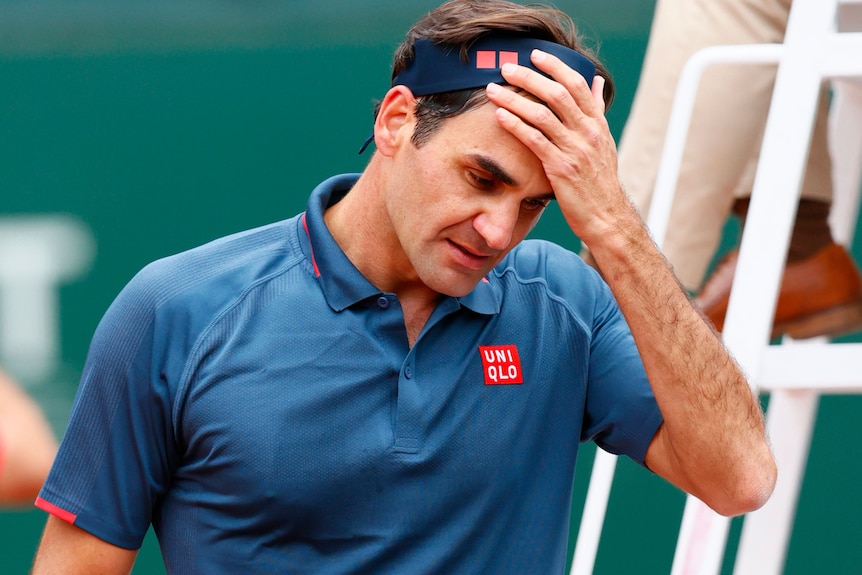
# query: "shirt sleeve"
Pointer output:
{"type": "Point", "coordinates": [622, 415]}
{"type": "Point", "coordinates": [118, 452]}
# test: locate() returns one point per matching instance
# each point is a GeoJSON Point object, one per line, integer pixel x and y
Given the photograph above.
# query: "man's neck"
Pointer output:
{"type": "Point", "coordinates": [360, 225]}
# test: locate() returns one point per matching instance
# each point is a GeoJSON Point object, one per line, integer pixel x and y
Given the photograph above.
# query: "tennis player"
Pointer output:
{"type": "Point", "coordinates": [394, 381]}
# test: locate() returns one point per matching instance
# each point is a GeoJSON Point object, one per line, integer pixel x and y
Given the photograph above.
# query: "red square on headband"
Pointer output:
{"type": "Point", "coordinates": [486, 59]}
{"type": "Point", "coordinates": [508, 58]}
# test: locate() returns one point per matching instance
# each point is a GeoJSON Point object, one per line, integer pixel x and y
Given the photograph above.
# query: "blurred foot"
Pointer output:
{"type": "Point", "coordinates": [820, 295]}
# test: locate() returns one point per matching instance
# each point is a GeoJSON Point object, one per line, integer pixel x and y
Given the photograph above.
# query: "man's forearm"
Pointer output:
{"type": "Point", "coordinates": [713, 441]}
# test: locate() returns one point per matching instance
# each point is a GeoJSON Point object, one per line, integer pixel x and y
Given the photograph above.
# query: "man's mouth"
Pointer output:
{"type": "Point", "coordinates": [468, 257]}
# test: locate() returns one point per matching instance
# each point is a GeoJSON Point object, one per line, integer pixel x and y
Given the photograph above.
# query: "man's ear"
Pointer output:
{"type": "Point", "coordinates": [394, 123]}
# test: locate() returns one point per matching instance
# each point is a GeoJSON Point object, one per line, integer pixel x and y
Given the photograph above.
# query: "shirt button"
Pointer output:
{"type": "Point", "coordinates": [408, 373]}
{"type": "Point", "coordinates": [382, 302]}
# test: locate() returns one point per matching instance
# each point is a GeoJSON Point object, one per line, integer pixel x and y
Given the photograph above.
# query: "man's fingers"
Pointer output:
{"type": "Point", "coordinates": [534, 139]}
{"type": "Point", "coordinates": [575, 84]}
{"type": "Point", "coordinates": [530, 111]}
{"type": "Point", "coordinates": [553, 94]}
{"type": "Point", "coordinates": [599, 92]}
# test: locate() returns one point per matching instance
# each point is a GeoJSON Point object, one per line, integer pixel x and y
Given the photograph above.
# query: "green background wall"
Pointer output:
{"type": "Point", "coordinates": [161, 125]}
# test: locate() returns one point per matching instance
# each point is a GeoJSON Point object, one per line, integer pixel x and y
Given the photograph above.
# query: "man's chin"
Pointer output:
{"type": "Point", "coordinates": [458, 286]}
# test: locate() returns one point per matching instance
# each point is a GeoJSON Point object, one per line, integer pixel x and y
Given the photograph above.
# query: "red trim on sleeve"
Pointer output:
{"type": "Point", "coordinates": [313, 261]}
{"type": "Point", "coordinates": [56, 511]}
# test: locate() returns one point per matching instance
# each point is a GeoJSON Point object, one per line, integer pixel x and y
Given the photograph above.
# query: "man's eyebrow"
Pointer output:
{"type": "Point", "coordinates": [494, 169]}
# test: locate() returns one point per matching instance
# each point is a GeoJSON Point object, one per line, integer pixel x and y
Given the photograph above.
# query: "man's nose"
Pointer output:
{"type": "Point", "coordinates": [496, 224]}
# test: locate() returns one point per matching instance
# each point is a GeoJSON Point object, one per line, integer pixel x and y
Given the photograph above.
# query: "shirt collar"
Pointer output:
{"type": "Point", "coordinates": [343, 285]}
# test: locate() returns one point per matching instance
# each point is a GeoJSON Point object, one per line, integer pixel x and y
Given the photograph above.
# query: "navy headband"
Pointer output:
{"type": "Point", "coordinates": [437, 68]}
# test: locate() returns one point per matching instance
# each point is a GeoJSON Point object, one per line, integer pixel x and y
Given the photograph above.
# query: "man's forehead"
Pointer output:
{"type": "Point", "coordinates": [477, 138]}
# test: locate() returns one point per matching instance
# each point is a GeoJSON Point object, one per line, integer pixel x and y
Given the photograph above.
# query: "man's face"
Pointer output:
{"type": "Point", "coordinates": [462, 200]}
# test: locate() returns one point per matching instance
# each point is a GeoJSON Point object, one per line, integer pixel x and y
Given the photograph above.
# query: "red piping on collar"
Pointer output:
{"type": "Point", "coordinates": [313, 261]}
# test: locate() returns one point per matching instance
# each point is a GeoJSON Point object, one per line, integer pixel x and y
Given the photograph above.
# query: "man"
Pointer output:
{"type": "Point", "coordinates": [392, 382]}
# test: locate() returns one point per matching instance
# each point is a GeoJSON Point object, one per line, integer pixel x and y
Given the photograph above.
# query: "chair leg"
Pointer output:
{"type": "Point", "coordinates": [845, 145]}
{"type": "Point", "coordinates": [766, 532]}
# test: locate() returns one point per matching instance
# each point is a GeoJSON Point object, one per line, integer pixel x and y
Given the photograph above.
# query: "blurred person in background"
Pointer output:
{"type": "Point", "coordinates": [821, 292]}
{"type": "Point", "coordinates": [27, 445]}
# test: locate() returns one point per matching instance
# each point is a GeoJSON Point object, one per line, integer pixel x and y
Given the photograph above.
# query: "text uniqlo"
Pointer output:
{"type": "Point", "coordinates": [501, 364]}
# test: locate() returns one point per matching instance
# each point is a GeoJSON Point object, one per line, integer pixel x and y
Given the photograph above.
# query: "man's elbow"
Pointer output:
{"type": "Point", "coordinates": [751, 491]}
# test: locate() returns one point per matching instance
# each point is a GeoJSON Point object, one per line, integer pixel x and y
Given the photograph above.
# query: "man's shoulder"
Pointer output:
{"type": "Point", "coordinates": [555, 275]}
{"type": "Point", "coordinates": [538, 259]}
{"type": "Point", "coordinates": [219, 270]}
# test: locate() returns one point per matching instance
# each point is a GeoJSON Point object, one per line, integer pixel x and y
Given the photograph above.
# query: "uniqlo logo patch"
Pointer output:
{"type": "Point", "coordinates": [501, 365]}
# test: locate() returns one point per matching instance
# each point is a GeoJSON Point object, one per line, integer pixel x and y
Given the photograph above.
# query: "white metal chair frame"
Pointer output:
{"type": "Point", "coordinates": [794, 373]}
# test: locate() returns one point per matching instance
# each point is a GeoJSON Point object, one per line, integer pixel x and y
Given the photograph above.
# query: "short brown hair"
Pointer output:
{"type": "Point", "coordinates": [460, 23]}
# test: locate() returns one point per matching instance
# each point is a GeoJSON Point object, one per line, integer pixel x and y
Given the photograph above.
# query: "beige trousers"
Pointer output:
{"type": "Point", "coordinates": [726, 129]}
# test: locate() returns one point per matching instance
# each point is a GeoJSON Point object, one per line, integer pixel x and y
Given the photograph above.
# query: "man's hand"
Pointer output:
{"type": "Point", "coordinates": [567, 130]}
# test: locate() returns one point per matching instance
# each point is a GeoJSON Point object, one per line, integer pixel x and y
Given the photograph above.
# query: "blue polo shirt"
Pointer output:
{"type": "Point", "coordinates": [256, 400]}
